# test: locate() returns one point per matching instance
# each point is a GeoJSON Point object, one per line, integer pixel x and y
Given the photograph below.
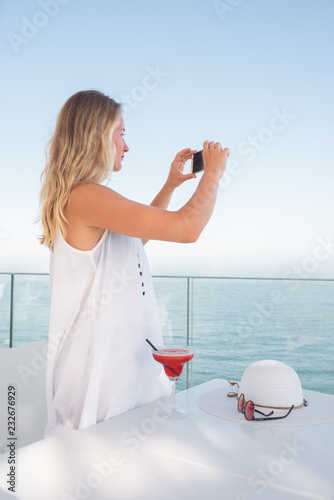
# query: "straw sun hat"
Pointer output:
{"type": "Point", "coordinates": [273, 386]}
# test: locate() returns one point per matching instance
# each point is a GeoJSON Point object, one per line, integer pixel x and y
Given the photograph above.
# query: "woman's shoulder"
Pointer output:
{"type": "Point", "coordinates": [86, 188]}
{"type": "Point", "coordinates": [79, 234]}
{"type": "Point", "coordinates": [88, 196]}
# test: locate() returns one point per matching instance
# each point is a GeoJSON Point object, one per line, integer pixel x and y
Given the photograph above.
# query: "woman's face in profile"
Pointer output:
{"type": "Point", "coordinates": [120, 145]}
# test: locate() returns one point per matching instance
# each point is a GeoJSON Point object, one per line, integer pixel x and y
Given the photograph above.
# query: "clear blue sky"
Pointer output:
{"type": "Point", "coordinates": [257, 75]}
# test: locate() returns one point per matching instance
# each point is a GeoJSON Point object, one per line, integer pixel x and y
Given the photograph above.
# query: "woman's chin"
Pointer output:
{"type": "Point", "coordinates": [117, 167]}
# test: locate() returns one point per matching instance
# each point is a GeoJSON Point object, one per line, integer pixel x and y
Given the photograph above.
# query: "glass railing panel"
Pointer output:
{"type": "Point", "coordinates": [171, 295]}
{"type": "Point", "coordinates": [5, 293]}
{"type": "Point", "coordinates": [231, 322]}
{"type": "Point", "coordinates": [309, 319]}
{"type": "Point", "coordinates": [31, 308]}
{"type": "Point", "coordinates": [239, 321]}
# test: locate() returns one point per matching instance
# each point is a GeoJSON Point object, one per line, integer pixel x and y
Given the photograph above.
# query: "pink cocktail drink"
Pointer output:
{"type": "Point", "coordinates": [173, 359]}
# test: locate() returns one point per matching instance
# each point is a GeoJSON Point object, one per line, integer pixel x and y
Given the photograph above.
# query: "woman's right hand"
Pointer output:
{"type": "Point", "coordinates": [215, 157]}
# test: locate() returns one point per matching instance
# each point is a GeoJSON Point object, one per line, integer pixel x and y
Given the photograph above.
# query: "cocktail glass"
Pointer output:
{"type": "Point", "coordinates": [173, 359]}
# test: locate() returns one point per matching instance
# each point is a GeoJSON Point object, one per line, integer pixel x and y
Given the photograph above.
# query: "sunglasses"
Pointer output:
{"type": "Point", "coordinates": [248, 409]}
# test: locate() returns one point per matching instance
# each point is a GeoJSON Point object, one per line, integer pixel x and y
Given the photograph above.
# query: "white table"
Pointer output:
{"type": "Point", "coordinates": [141, 456]}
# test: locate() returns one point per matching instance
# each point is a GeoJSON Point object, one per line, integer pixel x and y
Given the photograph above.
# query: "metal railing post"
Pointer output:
{"type": "Point", "coordinates": [189, 323]}
{"type": "Point", "coordinates": [11, 314]}
{"type": "Point", "coordinates": [188, 310]}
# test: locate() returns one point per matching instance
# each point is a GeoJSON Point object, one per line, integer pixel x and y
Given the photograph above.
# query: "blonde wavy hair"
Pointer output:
{"type": "Point", "coordinates": [80, 151]}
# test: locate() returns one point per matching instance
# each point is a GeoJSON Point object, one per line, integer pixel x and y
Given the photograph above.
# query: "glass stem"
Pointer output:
{"type": "Point", "coordinates": [173, 407]}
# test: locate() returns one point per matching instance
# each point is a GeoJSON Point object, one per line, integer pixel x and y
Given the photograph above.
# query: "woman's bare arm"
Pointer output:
{"type": "Point", "coordinates": [96, 206]}
{"type": "Point", "coordinates": [176, 177]}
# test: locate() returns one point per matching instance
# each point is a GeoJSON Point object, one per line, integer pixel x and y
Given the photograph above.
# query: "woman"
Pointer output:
{"type": "Point", "coordinates": [102, 303]}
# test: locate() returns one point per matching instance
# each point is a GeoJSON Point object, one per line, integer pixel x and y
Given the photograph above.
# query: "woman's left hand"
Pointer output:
{"type": "Point", "coordinates": [176, 177]}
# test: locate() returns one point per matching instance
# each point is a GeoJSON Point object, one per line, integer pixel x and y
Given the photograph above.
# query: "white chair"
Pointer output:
{"type": "Point", "coordinates": [24, 368]}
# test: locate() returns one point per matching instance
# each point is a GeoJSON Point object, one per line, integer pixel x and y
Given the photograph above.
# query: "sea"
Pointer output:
{"type": "Point", "coordinates": [230, 323]}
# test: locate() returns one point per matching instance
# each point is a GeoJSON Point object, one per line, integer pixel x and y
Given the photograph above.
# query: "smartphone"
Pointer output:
{"type": "Point", "coordinates": [197, 164]}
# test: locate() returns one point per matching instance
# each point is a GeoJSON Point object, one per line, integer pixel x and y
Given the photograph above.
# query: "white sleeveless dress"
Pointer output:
{"type": "Point", "coordinates": [103, 308]}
